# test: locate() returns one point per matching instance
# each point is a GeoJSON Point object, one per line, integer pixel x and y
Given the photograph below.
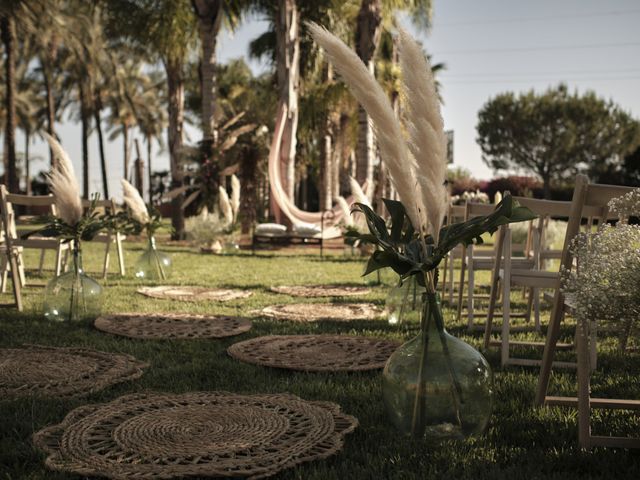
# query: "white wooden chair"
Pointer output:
{"type": "Point", "coordinates": [585, 196]}
{"type": "Point", "coordinates": [14, 244]}
{"type": "Point", "coordinates": [481, 259]}
{"type": "Point", "coordinates": [109, 237]}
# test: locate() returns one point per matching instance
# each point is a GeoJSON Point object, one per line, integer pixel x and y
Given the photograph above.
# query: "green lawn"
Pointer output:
{"type": "Point", "coordinates": [521, 441]}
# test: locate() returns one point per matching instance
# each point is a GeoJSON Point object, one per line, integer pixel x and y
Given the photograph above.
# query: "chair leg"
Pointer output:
{"type": "Point", "coordinates": [41, 265]}
{"type": "Point", "coordinates": [506, 313]}
{"type": "Point", "coordinates": [105, 265]}
{"type": "Point", "coordinates": [470, 291]}
{"type": "Point", "coordinates": [536, 308]}
{"type": "Point", "coordinates": [443, 280]}
{"type": "Point", "coordinates": [553, 333]}
{"type": "Point", "coordinates": [493, 296]}
{"type": "Point", "coordinates": [584, 372]}
{"type": "Point", "coordinates": [463, 268]}
{"type": "Point", "coordinates": [451, 280]}
{"type": "Point", "coordinates": [15, 281]}
{"type": "Point", "coordinates": [529, 305]}
{"type": "Point", "coordinates": [21, 274]}
{"type": "Point", "coordinates": [4, 267]}
{"type": "Point", "coordinates": [58, 261]}
{"type": "Point", "coordinates": [120, 254]}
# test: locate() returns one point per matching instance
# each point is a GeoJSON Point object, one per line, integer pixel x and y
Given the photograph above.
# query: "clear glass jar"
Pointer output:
{"type": "Point", "coordinates": [73, 296]}
{"type": "Point", "coordinates": [153, 264]}
{"type": "Point", "coordinates": [404, 302]}
{"type": "Point", "coordinates": [437, 386]}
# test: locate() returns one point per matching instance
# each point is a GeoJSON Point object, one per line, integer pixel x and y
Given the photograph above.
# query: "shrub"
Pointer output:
{"type": "Point", "coordinates": [519, 186]}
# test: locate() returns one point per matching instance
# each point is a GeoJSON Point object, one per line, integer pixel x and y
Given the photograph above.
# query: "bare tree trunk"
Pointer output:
{"type": "Point", "coordinates": [326, 152]}
{"type": "Point", "coordinates": [248, 175]}
{"type": "Point", "coordinates": [367, 39]}
{"type": "Point", "coordinates": [139, 169]}
{"type": "Point", "coordinates": [84, 120]}
{"type": "Point", "coordinates": [97, 110]}
{"type": "Point", "coordinates": [288, 73]}
{"type": "Point", "coordinates": [8, 33]}
{"type": "Point", "coordinates": [175, 84]}
{"type": "Point", "coordinates": [149, 172]}
{"type": "Point", "coordinates": [209, 13]}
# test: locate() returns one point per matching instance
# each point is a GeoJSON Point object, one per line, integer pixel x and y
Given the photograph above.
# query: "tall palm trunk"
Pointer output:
{"type": "Point", "coordinates": [27, 166]}
{"type": "Point", "coordinates": [367, 39]}
{"type": "Point", "coordinates": [47, 61]}
{"type": "Point", "coordinates": [326, 153]}
{"type": "Point", "coordinates": [148, 140]}
{"type": "Point", "coordinates": [175, 84]}
{"type": "Point", "coordinates": [103, 162]}
{"type": "Point", "coordinates": [209, 13]}
{"type": "Point", "coordinates": [8, 33]}
{"type": "Point", "coordinates": [288, 74]}
{"type": "Point", "coordinates": [125, 145]}
{"type": "Point", "coordinates": [84, 120]}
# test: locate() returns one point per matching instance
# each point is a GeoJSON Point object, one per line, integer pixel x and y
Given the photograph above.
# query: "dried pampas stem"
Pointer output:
{"type": "Point", "coordinates": [134, 201]}
{"type": "Point", "coordinates": [64, 185]}
{"type": "Point", "coordinates": [358, 193]}
{"type": "Point", "coordinates": [225, 206]}
{"type": "Point", "coordinates": [235, 196]}
{"type": "Point", "coordinates": [370, 95]}
{"type": "Point", "coordinates": [427, 141]}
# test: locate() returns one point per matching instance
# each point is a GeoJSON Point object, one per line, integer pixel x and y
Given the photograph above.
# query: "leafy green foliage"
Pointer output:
{"type": "Point", "coordinates": [125, 223]}
{"type": "Point", "coordinates": [400, 248]}
{"type": "Point", "coordinates": [89, 225]}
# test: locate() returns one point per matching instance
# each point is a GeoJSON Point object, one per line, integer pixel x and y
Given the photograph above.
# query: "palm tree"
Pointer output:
{"type": "Point", "coordinates": [164, 28]}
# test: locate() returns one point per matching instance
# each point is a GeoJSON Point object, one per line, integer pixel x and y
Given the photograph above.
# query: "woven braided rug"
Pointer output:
{"type": "Point", "coordinates": [172, 325]}
{"type": "Point", "coordinates": [193, 294]}
{"type": "Point", "coordinates": [312, 312]}
{"type": "Point", "coordinates": [315, 353]}
{"type": "Point", "coordinates": [62, 372]}
{"type": "Point", "coordinates": [320, 290]}
{"type": "Point", "coordinates": [215, 434]}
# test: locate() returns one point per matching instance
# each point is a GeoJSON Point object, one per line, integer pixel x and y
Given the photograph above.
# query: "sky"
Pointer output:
{"type": "Point", "coordinates": [488, 47]}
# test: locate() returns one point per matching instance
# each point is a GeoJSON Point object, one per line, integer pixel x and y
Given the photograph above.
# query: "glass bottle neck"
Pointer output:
{"type": "Point", "coordinates": [152, 242]}
{"type": "Point", "coordinates": [431, 318]}
{"type": "Point", "coordinates": [77, 256]}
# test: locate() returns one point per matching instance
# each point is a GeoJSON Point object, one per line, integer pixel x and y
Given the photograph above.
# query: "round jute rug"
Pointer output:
{"type": "Point", "coordinates": [321, 290]}
{"type": "Point", "coordinates": [214, 434]}
{"type": "Point", "coordinates": [315, 353]}
{"type": "Point", "coordinates": [312, 312]}
{"type": "Point", "coordinates": [62, 372]}
{"type": "Point", "coordinates": [194, 294]}
{"type": "Point", "coordinates": [172, 325]}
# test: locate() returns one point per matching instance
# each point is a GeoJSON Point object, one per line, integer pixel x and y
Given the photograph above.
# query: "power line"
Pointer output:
{"type": "Point", "coordinates": [534, 49]}
{"type": "Point", "coordinates": [452, 75]}
{"type": "Point", "coordinates": [536, 19]}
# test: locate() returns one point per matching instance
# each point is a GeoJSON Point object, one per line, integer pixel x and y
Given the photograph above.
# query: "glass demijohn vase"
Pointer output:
{"type": "Point", "coordinates": [436, 386]}
{"type": "Point", "coordinates": [153, 264]}
{"type": "Point", "coordinates": [404, 302]}
{"type": "Point", "coordinates": [73, 296]}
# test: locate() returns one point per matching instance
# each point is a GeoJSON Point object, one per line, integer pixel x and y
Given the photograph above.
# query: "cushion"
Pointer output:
{"type": "Point", "coordinates": [306, 229]}
{"type": "Point", "coordinates": [274, 229]}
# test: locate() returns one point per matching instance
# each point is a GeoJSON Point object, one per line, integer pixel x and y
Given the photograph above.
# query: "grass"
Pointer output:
{"type": "Point", "coordinates": [521, 441]}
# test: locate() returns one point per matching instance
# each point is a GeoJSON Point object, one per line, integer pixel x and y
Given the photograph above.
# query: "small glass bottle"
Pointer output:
{"type": "Point", "coordinates": [153, 264]}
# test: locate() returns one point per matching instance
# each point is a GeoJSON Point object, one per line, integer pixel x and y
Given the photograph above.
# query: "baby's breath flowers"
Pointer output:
{"type": "Point", "coordinates": [605, 286]}
{"type": "Point", "coordinates": [626, 205]}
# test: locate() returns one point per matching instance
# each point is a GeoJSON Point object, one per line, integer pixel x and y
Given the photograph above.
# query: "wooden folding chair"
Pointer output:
{"type": "Point", "coordinates": [448, 285]}
{"type": "Point", "coordinates": [586, 197]}
{"type": "Point", "coordinates": [108, 237]}
{"type": "Point", "coordinates": [477, 259]}
{"type": "Point", "coordinates": [14, 244]}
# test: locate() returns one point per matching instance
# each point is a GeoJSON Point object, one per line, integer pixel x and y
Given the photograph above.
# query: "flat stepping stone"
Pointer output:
{"type": "Point", "coordinates": [315, 353]}
{"type": "Point", "coordinates": [312, 312]}
{"type": "Point", "coordinates": [321, 290]}
{"type": "Point", "coordinates": [194, 294]}
{"type": "Point", "coordinates": [35, 370]}
{"type": "Point", "coordinates": [172, 325]}
{"type": "Point", "coordinates": [204, 434]}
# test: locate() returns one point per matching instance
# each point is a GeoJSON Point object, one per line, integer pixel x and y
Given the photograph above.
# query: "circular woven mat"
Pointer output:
{"type": "Point", "coordinates": [172, 325]}
{"type": "Point", "coordinates": [62, 372]}
{"type": "Point", "coordinates": [213, 434]}
{"type": "Point", "coordinates": [320, 290]}
{"type": "Point", "coordinates": [194, 294]}
{"type": "Point", "coordinates": [312, 312]}
{"type": "Point", "coordinates": [315, 353]}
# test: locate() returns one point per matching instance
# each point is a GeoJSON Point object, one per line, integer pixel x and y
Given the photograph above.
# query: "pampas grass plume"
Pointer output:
{"type": "Point", "coordinates": [64, 185]}
{"type": "Point", "coordinates": [357, 192]}
{"type": "Point", "coordinates": [225, 206]}
{"type": "Point", "coordinates": [346, 212]}
{"type": "Point", "coordinates": [134, 201]}
{"type": "Point", "coordinates": [235, 196]}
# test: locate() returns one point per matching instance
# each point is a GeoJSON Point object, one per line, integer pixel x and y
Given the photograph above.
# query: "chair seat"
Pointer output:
{"type": "Point", "coordinates": [533, 278]}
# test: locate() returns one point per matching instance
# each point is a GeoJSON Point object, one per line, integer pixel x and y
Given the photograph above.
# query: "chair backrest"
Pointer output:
{"type": "Point", "coordinates": [9, 200]}
{"type": "Point", "coordinates": [589, 200]}
{"type": "Point", "coordinates": [109, 205]}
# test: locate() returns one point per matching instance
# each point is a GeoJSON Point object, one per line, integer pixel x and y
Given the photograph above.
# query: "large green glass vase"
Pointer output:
{"type": "Point", "coordinates": [404, 303]}
{"type": "Point", "coordinates": [437, 386]}
{"type": "Point", "coordinates": [73, 296]}
{"type": "Point", "coordinates": [153, 264]}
